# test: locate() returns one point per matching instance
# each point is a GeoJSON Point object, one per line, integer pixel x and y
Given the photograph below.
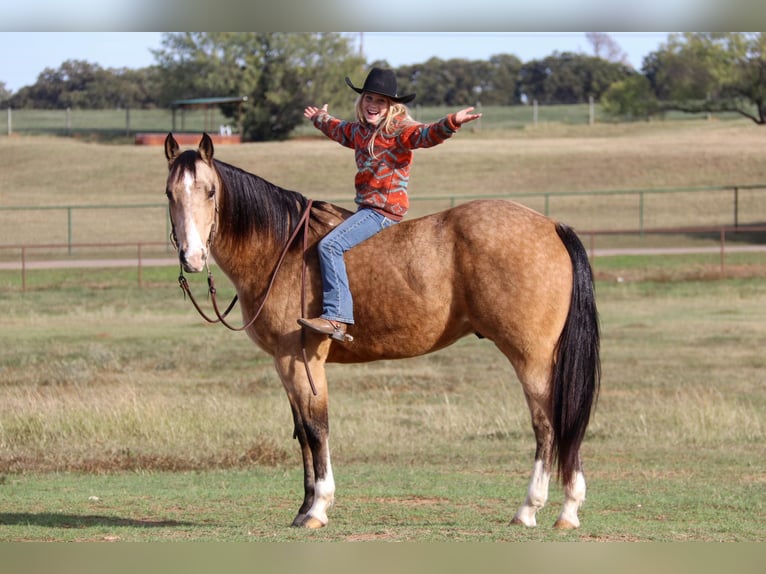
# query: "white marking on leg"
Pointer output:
{"type": "Point", "coordinates": [324, 494]}
{"type": "Point", "coordinates": [574, 496]}
{"type": "Point", "coordinates": [537, 496]}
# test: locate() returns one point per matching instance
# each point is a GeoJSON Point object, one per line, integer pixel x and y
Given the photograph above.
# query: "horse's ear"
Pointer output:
{"type": "Point", "coordinates": [206, 148]}
{"type": "Point", "coordinates": [171, 148]}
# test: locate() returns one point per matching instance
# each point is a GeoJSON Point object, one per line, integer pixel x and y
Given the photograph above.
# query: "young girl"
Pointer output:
{"type": "Point", "coordinates": [382, 137]}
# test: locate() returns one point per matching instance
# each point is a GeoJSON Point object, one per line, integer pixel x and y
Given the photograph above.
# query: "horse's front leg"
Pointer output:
{"type": "Point", "coordinates": [311, 418]}
{"type": "Point", "coordinates": [308, 467]}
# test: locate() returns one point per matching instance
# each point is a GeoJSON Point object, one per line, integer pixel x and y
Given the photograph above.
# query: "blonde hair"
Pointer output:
{"type": "Point", "coordinates": [397, 116]}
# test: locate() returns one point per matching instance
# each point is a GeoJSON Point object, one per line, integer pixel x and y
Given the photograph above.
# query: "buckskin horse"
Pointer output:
{"type": "Point", "coordinates": [493, 268]}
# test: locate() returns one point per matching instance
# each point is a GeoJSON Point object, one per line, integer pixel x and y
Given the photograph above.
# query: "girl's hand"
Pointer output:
{"type": "Point", "coordinates": [312, 111]}
{"type": "Point", "coordinates": [465, 116]}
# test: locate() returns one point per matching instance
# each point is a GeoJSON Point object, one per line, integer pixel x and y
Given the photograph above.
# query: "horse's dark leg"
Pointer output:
{"type": "Point", "coordinates": [537, 493]}
{"type": "Point", "coordinates": [310, 414]}
{"type": "Point", "coordinates": [308, 468]}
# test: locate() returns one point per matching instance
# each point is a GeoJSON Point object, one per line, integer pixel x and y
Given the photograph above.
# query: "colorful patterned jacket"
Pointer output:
{"type": "Point", "coordinates": [381, 180]}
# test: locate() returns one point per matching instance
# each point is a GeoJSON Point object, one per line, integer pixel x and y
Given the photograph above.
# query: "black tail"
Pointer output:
{"type": "Point", "coordinates": [577, 373]}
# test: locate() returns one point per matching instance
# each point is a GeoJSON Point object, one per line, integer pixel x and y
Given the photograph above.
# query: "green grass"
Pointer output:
{"type": "Point", "coordinates": [182, 430]}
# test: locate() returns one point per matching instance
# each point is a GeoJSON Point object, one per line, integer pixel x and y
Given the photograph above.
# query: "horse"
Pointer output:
{"type": "Point", "coordinates": [489, 267]}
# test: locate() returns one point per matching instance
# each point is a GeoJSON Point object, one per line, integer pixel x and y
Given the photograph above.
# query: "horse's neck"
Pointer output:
{"type": "Point", "coordinates": [248, 264]}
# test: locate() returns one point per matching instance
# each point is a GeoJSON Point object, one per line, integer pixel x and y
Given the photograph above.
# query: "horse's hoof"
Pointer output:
{"type": "Point", "coordinates": [313, 523]}
{"type": "Point", "coordinates": [522, 519]}
{"type": "Point", "coordinates": [563, 524]}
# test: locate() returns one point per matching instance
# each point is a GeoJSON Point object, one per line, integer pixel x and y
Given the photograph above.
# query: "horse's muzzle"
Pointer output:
{"type": "Point", "coordinates": [194, 262]}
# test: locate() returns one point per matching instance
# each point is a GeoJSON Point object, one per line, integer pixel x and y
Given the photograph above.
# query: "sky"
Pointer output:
{"type": "Point", "coordinates": [26, 54]}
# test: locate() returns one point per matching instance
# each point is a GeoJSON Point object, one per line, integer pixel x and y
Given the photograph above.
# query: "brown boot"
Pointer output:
{"type": "Point", "coordinates": [335, 329]}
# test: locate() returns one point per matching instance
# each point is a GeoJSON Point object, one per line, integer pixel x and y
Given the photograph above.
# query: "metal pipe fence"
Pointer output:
{"type": "Point", "coordinates": [139, 259]}
{"type": "Point", "coordinates": [24, 262]}
{"type": "Point", "coordinates": [641, 209]}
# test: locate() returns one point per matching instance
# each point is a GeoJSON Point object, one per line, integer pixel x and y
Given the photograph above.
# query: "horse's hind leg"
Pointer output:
{"type": "Point", "coordinates": [537, 493]}
{"type": "Point", "coordinates": [574, 496]}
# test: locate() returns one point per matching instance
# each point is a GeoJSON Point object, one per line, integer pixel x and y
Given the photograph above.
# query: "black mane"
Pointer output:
{"type": "Point", "coordinates": [248, 202]}
{"type": "Point", "coordinates": [251, 203]}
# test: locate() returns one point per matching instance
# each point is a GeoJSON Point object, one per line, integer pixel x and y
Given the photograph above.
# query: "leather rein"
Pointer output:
{"type": "Point", "coordinates": [303, 223]}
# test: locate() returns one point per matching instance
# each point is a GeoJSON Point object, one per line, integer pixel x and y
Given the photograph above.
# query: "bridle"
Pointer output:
{"type": "Point", "coordinates": [303, 223]}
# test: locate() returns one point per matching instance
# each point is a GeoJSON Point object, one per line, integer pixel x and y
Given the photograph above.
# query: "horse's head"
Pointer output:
{"type": "Point", "coordinates": [192, 187]}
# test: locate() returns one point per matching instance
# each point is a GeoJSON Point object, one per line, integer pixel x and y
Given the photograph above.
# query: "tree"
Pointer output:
{"type": "Point", "coordinates": [461, 82]}
{"type": "Point", "coordinates": [569, 78]}
{"type": "Point", "coordinates": [502, 84]}
{"type": "Point", "coordinates": [630, 98]}
{"type": "Point", "coordinates": [711, 72]}
{"type": "Point", "coordinates": [5, 94]}
{"type": "Point", "coordinates": [605, 47]}
{"type": "Point", "coordinates": [280, 73]}
{"type": "Point", "coordinates": [81, 84]}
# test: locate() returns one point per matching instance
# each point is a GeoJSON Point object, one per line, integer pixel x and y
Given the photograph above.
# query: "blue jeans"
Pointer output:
{"type": "Point", "coordinates": [338, 304]}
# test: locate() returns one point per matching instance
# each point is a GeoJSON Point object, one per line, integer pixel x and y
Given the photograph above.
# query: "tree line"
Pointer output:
{"type": "Point", "coordinates": [280, 73]}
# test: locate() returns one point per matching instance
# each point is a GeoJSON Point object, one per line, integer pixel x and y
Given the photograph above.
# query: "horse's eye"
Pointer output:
{"type": "Point", "coordinates": [169, 194]}
{"type": "Point", "coordinates": [211, 193]}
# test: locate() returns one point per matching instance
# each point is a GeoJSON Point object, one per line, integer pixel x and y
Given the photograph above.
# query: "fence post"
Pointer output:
{"type": "Point", "coordinates": [641, 213]}
{"type": "Point", "coordinates": [736, 207]}
{"type": "Point", "coordinates": [69, 229]}
{"type": "Point", "coordinates": [10, 129]}
{"type": "Point", "coordinates": [68, 121]}
{"type": "Point", "coordinates": [23, 268]}
{"type": "Point", "coordinates": [478, 122]}
{"type": "Point", "coordinates": [723, 249]}
{"type": "Point", "coordinates": [127, 121]}
{"type": "Point", "coordinates": [140, 268]}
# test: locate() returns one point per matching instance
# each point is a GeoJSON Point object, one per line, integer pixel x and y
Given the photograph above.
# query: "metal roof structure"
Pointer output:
{"type": "Point", "coordinates": [207, 101]}
{"type": "Point", "coordinates": [209, 105]}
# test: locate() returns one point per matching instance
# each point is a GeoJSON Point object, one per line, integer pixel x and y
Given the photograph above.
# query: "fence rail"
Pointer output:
{"type": "Point", "coordinates": [23, 263]}
{"type": "Point", "coordinates": [139, 259]}
{"type": "Point", "coordinates": [126, 122]}
{"type": "Point", "coordinates": [727, 205]}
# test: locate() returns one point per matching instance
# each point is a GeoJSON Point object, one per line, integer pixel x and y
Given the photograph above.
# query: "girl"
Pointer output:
{"type": "Point", "coordinates": [382, 137]}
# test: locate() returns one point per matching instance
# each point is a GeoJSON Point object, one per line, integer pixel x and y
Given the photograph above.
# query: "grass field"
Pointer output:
{"type": "Point", "coordinates": [124, 417]}
{"type": "Point", "coordinates": [551, 159]}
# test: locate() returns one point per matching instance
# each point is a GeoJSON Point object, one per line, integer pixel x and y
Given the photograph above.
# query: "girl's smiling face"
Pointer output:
{"type": "Point", "coordinates": [374, 107]}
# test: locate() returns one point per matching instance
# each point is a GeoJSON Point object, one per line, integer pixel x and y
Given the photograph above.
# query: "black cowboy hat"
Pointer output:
{"type": "Point", "coordinates": [381, 82]}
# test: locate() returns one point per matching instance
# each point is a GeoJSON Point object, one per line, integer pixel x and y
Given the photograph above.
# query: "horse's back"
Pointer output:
{"type": "Point", "coordinates": [492, 267]}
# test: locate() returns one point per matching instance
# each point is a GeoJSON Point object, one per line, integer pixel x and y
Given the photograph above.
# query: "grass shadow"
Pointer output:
{"type": "Point", "coordinates": [55, 520]}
